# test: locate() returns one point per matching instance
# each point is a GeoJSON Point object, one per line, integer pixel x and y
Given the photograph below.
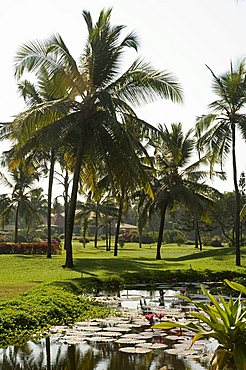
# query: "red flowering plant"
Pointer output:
{"type": "Point", "coordinates": [29, 248]}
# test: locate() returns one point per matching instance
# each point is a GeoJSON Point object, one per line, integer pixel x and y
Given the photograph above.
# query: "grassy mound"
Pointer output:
{"type": "Point", "coordinates": [43, 307]}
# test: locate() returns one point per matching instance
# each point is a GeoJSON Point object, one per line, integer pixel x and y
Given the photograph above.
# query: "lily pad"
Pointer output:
{"type": "Point", "coordinates": [110, 334]}
{"type": "Point", "coordinates": [152, 345]}
{"type": "Point", "coordinates": [100, 339]}
{"type": "Point", "coordinates": [129, 341]}
{"type": "Point", "coordinates": [134, 350]}
{"type": "Point", "coordinates": [89, 328]}
{"type": "Point", "coordinates": [118, 329]}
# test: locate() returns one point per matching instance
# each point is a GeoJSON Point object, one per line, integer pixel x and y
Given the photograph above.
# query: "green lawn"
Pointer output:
{"type": "Point", "coordinates": [18, 273]}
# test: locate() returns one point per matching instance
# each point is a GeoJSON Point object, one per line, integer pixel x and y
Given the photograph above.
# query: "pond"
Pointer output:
{"type": "Point", "coordinates": [124, 342]}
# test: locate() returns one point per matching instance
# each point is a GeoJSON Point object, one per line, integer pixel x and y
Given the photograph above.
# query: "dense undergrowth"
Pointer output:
{"type": "Point", "coordinates": [40, 308]}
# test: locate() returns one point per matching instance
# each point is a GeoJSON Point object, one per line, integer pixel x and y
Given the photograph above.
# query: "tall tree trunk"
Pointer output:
{"type": "Point", "coordinates": [16, 223]}
{"type": "Point", "coordinates": [66, 201]}
{"type": "Point", "coordinates": [117, 231]}
{"type": "Point", "coordinates": [109, 235]}
{"type": "Point", "coordinates": [200, 240]}
{"type": "Point", "coordinates": [96, 229]}
{"type": "Point", "coordinates": [237, 195]}
{"type": "Point", "coordinates": [140, 232]}
{"type": "Point", "coordinates": [51, 177]}
{"type": "Point", "coordinates": [85, 226]}
{"type": "Point", "coordinates": [196, 239]}
{"type": "Point", "coordinates": [106, 234]}
{"type": "Point", "coordinates": [161, 229]}
{"type": "Point", "coordinates": [198, 236]}
{"type": "Point", "coordinates": [72, 208]}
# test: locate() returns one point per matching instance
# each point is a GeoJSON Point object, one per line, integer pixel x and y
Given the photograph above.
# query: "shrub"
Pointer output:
{"type": "Point", "coordinates": [41, 308]}
{"type": "Point", "coordinates": [147, 239]}
{"type": "Point", "coordinates": [174, 236]}
{"type": "Point", "coordinates": [127, 236]}
{"type": "Point", "coordinates": [216, 242]}
{"type": "Point", "coordinates": [29, 248]}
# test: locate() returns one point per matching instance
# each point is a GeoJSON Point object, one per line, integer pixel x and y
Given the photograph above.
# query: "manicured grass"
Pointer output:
{"type": "Point", "coordinates": [20, 272]}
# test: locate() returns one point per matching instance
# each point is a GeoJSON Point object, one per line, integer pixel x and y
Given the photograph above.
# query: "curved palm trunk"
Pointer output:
{"type": "Point", "coordinates": [51, 178]}
{"type": "Point", "coordinates": [117, 231]}
{"type": "Point", "coordinates": [16, 223]}
{"type": "Point", "coordinates": [161, 229]}
{"type": "Point", "coordinates": [72, 208]}
{"type": "Point", "coordinates": [237, 195]}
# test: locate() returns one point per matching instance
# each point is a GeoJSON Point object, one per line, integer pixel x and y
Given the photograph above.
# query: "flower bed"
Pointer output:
{"type": "Point", "coordinates": [29, 248]}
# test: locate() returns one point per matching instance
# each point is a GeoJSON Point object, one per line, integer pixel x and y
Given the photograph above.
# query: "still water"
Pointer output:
{"type": "Point", "coordinates": [47, 354]}
{"type": "Point", "coordinates": [53, 354]}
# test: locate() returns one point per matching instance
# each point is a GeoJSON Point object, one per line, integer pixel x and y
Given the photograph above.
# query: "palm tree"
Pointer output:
{"type": "Point", "coordinates": [178, 181]}
{"type": "Point", "coordinates": [34, 95]}
{"type": "Point", "coordinates": [217, 130]}
{"type": "Point", "coordinates": [19, 204]}
{"type": "Point", "coordinates": [99, 100]}
{"type": "Point", "coordinates": [94, 210]}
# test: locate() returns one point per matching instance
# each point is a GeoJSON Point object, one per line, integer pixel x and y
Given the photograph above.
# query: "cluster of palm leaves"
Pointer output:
{"type": "Point", "coordinates": [82, 116]}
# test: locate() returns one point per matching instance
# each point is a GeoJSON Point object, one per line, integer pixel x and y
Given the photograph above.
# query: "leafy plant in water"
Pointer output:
{"type": "Point", "coordinates": [222, 320]}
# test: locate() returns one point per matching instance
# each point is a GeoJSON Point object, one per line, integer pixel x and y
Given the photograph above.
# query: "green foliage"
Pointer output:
{"type": "Point", "coordinates": [41, 308]}
{"type": "Point", "coordinates": [216, 241]}
{"type": "Point", "coordinates": [222, 320]}
{"type": "Point", "coordinates": [29, 248]}
{"type": "Point", "coordinates": [174, 236]}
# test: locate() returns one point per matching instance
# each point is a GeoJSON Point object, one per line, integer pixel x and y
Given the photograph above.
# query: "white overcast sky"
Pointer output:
{"type": "Point", "coordinates": [178, 35]}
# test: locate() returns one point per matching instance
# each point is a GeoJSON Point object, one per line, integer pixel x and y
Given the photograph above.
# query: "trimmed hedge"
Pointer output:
{"type": "Point", "coordinates": [29, 248]}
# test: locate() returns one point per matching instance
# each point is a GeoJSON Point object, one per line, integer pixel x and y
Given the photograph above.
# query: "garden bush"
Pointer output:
{"type": "Point", "coordinates": [29, 248]}
{"type": "Point", "coordinates": [41, 308]}
{"type": "Point", "coordinates": [216, 242]}
{"type": "Point", "coordinates": [174, 236]}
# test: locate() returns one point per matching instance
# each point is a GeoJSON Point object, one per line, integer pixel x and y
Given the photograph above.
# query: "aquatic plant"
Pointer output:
{"type": "Point", "coordinates": [225, 321]}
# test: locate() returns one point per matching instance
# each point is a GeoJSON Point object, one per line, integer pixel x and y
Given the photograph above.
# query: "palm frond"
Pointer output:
{"type": "Point", "coordinates": [141, 84]}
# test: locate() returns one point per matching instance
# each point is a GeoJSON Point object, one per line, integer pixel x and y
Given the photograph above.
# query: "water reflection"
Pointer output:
{"type": "Point", "coordinates": [48, 354]}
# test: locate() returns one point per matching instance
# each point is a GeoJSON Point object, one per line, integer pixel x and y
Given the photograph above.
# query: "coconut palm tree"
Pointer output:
{"type": "Point", "coordinates": [217, 130]}
{"type": "Point", "coordinates": [18, 203]}
{"type": "Point", "coordinates": [35, 94]}
{"type": "Point", "coordinates": [178, 181]}
{"type": "Point", "coordinates": [100, 101]}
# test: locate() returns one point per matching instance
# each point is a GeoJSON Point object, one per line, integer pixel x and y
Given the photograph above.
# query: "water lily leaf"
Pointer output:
{"type": "Point", "coordinates": [134, 350]}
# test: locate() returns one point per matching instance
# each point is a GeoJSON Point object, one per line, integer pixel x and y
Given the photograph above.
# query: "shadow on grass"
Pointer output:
{"type": "Point", "coordinates": [95, 267]}
{"type": "Point", "coordinates": [217, 254]}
